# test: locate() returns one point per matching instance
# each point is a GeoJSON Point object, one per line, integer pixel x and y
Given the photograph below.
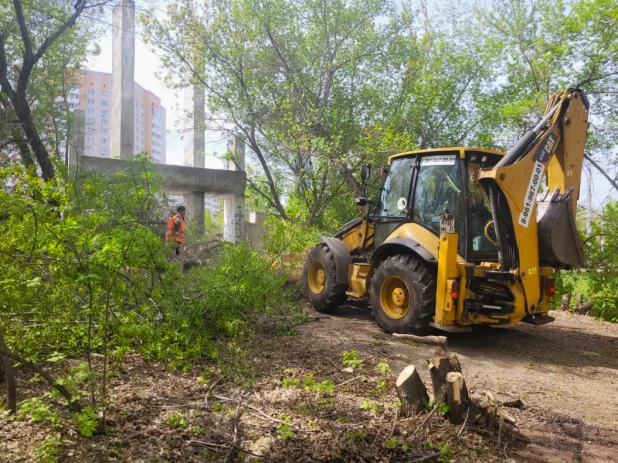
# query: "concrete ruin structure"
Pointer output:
{"type": "Point", "coordinates": [193, 181]}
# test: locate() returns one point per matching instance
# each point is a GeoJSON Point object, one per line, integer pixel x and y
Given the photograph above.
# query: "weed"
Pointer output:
{"type": "Point", "coordinates": [382, 386]}
{"type": "Point", "coordinates": [351, 358]}
{"type": "Point", "coordinates": [87, 422]}
{"type": "Point", "coordinates": [285, 432]}
{"type": "Point", "coordinates": [369, 405]}
{"type": "Point", "coordinates": [446, 454]}
{"type": "Point", "coordinates": [196, 430]}
{"type": "Point", "coordinates": [291, 382]}
{"type": "Point", "coordinates": [357, 436]}
{"type": "Point", "coordinates": [443, 408]}
{"type": "Point", "coordinates": [326, 386]}
{"type": "Point", "coordinates": [47, 450]}
{"type": "Point", "coordinates": [176, 420]}
{"type": "Point", "coordinates": [390, 443]}
{"type": "Point", "coordinates": [383, 367]}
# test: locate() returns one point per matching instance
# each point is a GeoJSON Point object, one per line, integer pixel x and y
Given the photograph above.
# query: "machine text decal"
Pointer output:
{"type": "Point", "coordinates": [541, 158]}
{"type": "Point", "coordinates": [531, 191]}
{"type": "Point", "coordinates": [442, 160]}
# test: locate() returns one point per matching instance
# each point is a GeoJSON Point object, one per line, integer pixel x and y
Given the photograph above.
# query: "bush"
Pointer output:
{"type": "Point", "coordinates": [85, 271]}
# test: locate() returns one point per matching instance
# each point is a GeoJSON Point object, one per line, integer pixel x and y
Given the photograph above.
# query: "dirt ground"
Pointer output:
{"type": "Point", "coordinates": [566, 373]}
{"type": "Point", "coordinates": [268, 406]}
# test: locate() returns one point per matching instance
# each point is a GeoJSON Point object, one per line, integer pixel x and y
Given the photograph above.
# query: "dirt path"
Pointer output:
{"type": "Point", "coordinates": [566, 373]}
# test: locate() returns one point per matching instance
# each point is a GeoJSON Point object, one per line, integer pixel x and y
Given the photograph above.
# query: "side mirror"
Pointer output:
{"type": "Point", "coordinates": [365, 172]}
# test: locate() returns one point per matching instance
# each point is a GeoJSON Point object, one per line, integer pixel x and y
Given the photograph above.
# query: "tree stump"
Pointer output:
{"type": "Point", "coordinates": [438, 369]}
{"type": "Point", "coordinates": [457, 397]}
{"type": "Point", "coordinates": [566, 302]}
{"type": "Point", "coordinates": [412, 392]}
{"type": "Point", "coordinates": [483, 409]}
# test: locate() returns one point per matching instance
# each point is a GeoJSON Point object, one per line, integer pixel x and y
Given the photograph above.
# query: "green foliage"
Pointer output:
{"type": "Point", "coordinates": [597, 280]}
{"type": "Point", "coordinates": [84, 274]}
{"type": "Point", "coordinates": [48, 449]}
{"type": "Point", "coordinates": [284, 429]}
{"type": "Point", "coordinates": [383, 367]}
{"type": "Point", "coordinates": [390, 443]}
{"type": "Point", "coordinates": [446, 453]}
{"type": "Point", "coordinates": [351, 358]}
{"type": "Point", "coordinates": [443, 408]}
{"type": "Point", "coordinates": [326, 387]}
{"type": "Point", "coordinates": [369, 405]}
{"type": "Point", "coordinates": [382, 386]}
{"type": "Point", "coordinates": [176, 420]}
{"type": "Point", "coordinates": [87, 422]}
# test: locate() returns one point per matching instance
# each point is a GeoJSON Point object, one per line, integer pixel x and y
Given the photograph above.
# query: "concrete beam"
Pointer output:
{"type": "Point", "coordinates": [123, 83]}
{"type": "Point", "coordinates": [177, 179]}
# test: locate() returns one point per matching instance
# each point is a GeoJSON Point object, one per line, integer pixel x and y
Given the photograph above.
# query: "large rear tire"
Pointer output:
{"type": "Point", "coordinates": [320, 280]}
{"type": "Point", "coordinates": [403, 295]}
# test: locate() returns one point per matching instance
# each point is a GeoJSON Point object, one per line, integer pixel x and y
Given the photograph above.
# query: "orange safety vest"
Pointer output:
{"type": "Point", "coordinates": [171, 234]}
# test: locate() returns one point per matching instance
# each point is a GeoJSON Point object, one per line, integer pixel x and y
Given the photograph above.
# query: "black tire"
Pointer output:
{"type": "Point", "coordinates": [420, 281]}
{"type": "Point", "coordinates": [333, 294]}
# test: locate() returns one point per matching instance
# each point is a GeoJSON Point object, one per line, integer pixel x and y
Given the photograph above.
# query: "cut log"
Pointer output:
{"type": "Point", "coordinates": [566, 302]}
{"type": "Point", "coordinates": [438, 369]}
{"type": "Point", "coordinates": [439, 341]}
{"type": "Point", "coordinates": [457, 397]}
{"type": "Point", "coordinates": [412, 392]}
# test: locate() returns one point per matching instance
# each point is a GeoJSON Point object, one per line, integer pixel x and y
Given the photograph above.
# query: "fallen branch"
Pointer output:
{"type": "Point", "coordinates": [73, 404]}
{"type": "Point", "coordinates": [394, 424]}
{"type": "Point", "coordinates": [228, 455]}
{"type": "Point", "coordinates": [439, 341]}
{"type": "Point", "coordinates": [227, 446]}
{"type": "Point", "coordinates": [464, 423]}
{"type": "Point", "coordinates": [349, 380]}
{"type": "Point", "coordinates": [425, 458]}
{"type": "Point", "coordinates": [433, 410]}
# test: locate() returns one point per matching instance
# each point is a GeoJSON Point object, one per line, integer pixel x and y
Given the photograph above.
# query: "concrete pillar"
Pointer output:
{"type": "Point", "coordinates": [194, 148]}
{"type": "Point", "coordinates": [194, 202]}
{"type": "Point", "coordinates": [77, 142]}
{"type": "Point", "coordinates": [194, 143]}
{"type": "Point", "coordinates": [254, 229]}
{"type": "Point", "coordinates": [234, 206]}
{"type": "Point", "coordinates": [123, 86]}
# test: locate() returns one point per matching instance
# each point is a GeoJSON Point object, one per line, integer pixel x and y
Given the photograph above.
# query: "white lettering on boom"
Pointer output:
{"type": "Point", "coordinates": [533, 189]}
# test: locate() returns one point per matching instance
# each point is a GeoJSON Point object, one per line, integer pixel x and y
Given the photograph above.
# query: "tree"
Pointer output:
{"type": "Point", "coordinates": [294, 78]}
{"type": "Point", "coordinates": [40, 42]}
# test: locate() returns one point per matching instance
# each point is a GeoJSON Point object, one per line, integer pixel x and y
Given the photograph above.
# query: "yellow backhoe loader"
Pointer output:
{"type": "Point", "coordinates": [463, 236]}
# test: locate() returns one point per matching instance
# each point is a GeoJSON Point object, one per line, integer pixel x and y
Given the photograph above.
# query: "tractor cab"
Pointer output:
{"type": "Point", "coordinates": [422, 186]}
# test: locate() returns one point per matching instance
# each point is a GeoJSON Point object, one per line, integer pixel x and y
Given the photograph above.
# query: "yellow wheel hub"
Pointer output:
{"type": "Point", "coordinates": [394, 297]}
{"type": "Point", "coordinates": [317, 277]}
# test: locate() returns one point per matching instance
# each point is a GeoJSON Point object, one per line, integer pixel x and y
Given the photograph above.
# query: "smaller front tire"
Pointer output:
{"type": "Point", "coordinates": [320, 280]}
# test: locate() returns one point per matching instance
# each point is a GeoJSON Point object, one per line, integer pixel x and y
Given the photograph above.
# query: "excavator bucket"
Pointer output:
{"type": "Point", "coordinates": [559, 243]}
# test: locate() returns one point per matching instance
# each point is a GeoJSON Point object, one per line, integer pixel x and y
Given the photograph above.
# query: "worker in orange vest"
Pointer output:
{"type": "Point", "coordinates": [176, 232]}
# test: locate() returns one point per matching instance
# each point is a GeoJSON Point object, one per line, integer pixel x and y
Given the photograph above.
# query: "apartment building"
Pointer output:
{"type": "Point", "coordinates": [93, 95]}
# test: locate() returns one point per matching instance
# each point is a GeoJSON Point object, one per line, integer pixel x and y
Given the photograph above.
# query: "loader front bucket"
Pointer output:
{"type": "Point", "coordinates": [559, 243]}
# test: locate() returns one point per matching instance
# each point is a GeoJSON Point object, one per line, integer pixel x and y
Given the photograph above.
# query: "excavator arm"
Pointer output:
{"type": "Point", "coordinates": [533, 229]}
